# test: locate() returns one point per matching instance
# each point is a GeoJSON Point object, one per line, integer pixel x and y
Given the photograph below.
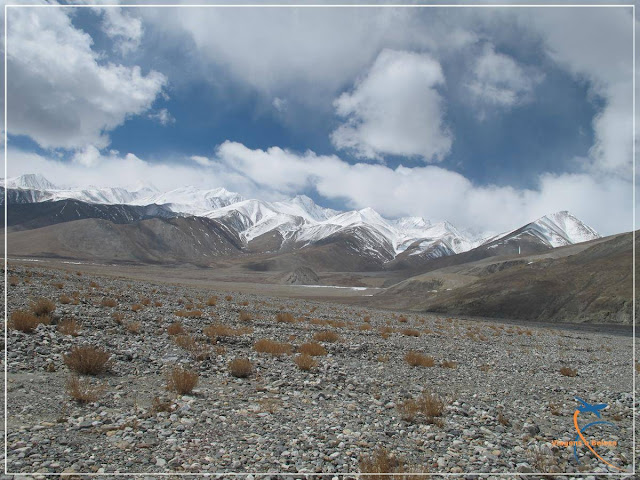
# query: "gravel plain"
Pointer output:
{"type": "Point", "coordinates": [505, 400]}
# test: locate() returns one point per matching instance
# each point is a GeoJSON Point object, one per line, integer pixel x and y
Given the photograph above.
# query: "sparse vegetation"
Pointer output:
{"type": "Point", "coordinates": [134, 327]}
{"type": "Point", "coordinates": [449, 364]}
{"type": "Point", "coordinates": [428, 407]}
{"type": "Point", "coordinates": [136, 307]}
{"type": "Point", "coordinates": [240, 367]}
{"type": "Point", "coordinates": [82, 390]}
{"type": "Point", "coordinates": [182, 380]}
{"type": "Point", "coordinates": [69, 326]}
{"type": "Point", "coordinates": [118, 317]}
{"type": "Point", "coordinates": [108, 302]}
{"type": "Point", "coordinates": [198, 351]}
{"type": "Point", "coordinates": [216, 331]}
{"type": "Point", "coordinates": [417, 359]}
{"type": "Point", "coordinates": [326, 336]}
{"type": "Point", "coordinates": [42, 307]}
{"type": "Point", "coordinates": [568, 372]}
{"type": "Point", "coordinates": [87, 360]}
{"type": "Point", "coordinates": [312, 348]}
{"type": "Point", "coordinates": [212, 301]}
{"type": "Point", "coordinates": [64, 299]}
{"type": "Point", "coordinates": [384, 466]}
{"type": "Point", "coordinates": [25, 321]}
{"type": "Point", "coordinates": [188, 313]}
{"type": "Point", "coordinates": [285, 317]}
{"type": "Point", "coordinates": [175, 329]}
{"type": "Point", "coordinates": [410, 332]}
{"type": "Point", "coordinates": [274, 348]}
{"type": "Point", "coordinates": [244, 316]}
{"type": "Point", "coordinates": [305, 362]}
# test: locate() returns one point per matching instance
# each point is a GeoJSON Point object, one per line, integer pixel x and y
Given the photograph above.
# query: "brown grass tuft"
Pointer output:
{"type": "Point", "coordinates": [244, 316]}
{"type": "Point", "coordinates": [449, 364]}
{"type": "Point", "coordinates": [69, 326]}
{"type": "Point", "coordinates": [82, 391]}
{"type": "Point", "coordinates": [175, 329]}
{"type": "Point", "coordinates": [198, 351]}
{"type": "Point", "coordinates": [189, 313]}
{"type": "Point", "coordinates": [428, 406]}
{"type": "Point", "coordinates": [216, 331]}
{"type": "Point", "coordinates": [410, 332]}
{"type": "Point", "coordinates": [568, 372]}
{"type": "Point", "coordinates": [42, 307]}
{"type": "Point", "coordinates": [182, 381]}
{"type": "Point", "coordinates": [87, 360]}
{"type": "Point", "coordinates": [285, 317]}
{"type": "Point", "coordinates": [305, 362]}
{"type": "Point", "coordinates": [134, 327]}
{"type": "Point", "coordinates": [312, 348]}
{"type": "Point", "coordinates": [384, 466]}
{"type": "Point", "coordinates": [326, 336]}
{"type": "Point", "coordinates": [228, 298]}
{"type": "Point", "coordinates": [64, 299]}
{"type": "Point", "coordinates": [265, 345]}
{"type": "Point", "coordinates": [13, 280]}
{"type": "Point", "coordinates": [118, 317]}
{"type": "Point", "coordinates": [26, 322]}
{"type": "Point", "coordinates": [58, 285]}
{"type": "Point", "coordinates": [146, 301]}
{"type": "Point", "coordinates": [417, 359]}
{"type": "Point", "coordinates": [212, 301]}
{"type": "Point", "coordinates": [240, 367]}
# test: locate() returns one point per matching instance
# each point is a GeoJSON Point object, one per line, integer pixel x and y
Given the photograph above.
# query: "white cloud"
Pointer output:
{"type": "Point", "coordinates": [498, 80]}
{"type": "Point", "coordinates": [434, 192]}
{"type": "Point", "coordinates": [60, 93]}
{"type": "Point", "coordinates": [200, 160]}
{"type": "Point", "coordinates": [124, 28]}
{"type": "Point", "coordinates": [163, 117]}
{"type": "Point", "coordinates": [395, 110]}
{"type": "Point", "coordinates": [596, 46]}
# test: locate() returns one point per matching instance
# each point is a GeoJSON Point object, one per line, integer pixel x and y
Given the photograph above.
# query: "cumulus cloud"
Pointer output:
{"type": "Point", "coordinates": [122, 27]}
{"type": "Point", "coordinates": [163, 117]}
{"type": "Point", "coordinates": [395, 109]}
{"type": "Point", "coordinates": [432, 191]}
{"type": "Point", "coordinates": [60, 92]}
{"type": "Point", "coordinates": [497, 80]}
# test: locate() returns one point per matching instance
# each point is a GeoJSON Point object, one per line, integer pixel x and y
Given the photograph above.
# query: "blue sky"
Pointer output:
{"type": "Point", "coordinates": [488, 118]}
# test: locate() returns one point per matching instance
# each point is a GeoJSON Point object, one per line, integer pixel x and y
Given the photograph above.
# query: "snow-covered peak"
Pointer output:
{"type": "Point", "coordinates": [562, 228]}
{"type": "Point", "coordinates": [192, 200]}
{"type": "Point", "coordinates": [33, 181]}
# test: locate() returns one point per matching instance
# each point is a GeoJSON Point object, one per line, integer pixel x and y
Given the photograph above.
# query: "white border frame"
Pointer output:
{"type": "Point", "coordinates": [310, 474]}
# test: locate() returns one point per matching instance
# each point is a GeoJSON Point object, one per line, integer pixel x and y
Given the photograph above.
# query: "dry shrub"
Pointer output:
{"type": "Point", "coordinates": [216, 331]}
{"type": "Point", "coordinates": [417, 359]}
{"type": "Point", "coordinates": [336, 323]}
{"type": "Point", "coordinates": [285, 317]}
{"type": "Point", "coordinates": [198, 351]}
{"type": "Point", "coordinates": [189, 313]}
{"type": "Point", "coordinates": [87, 360]}
{"type": "Point", "coordinates": [158, 304]}
{"type": "Point", "coordinates": [83, 391]}
{"type": "Point", "coordinates": [13, 280]}
{"type": "Point", "coordinates": [385, 331]}
{"type": "Point", "coordinates": [175, 329]}
{"type": "Point", "coordinates": [146, 301]}
{"type": "Point", "coordinates": [568, 372]}
{"type": "Point", "coordinates": [26, 322]}
{"type": "Point", "coordinates": [503, 420]}
{"type": "Point", "coordinates": [94, 285]}
{"type": "Point", "coordinates": [402, 319]}
{"type": "Point", "coordinates": [161, 405]}
{"type": "Point", "coordinates": [265, 345]}
{"type": "Point", "coordinates": [69, 326]}
{"type": "Point", "coordinates": [136, 307]}
{"type": "Point", "coordinates": [317, 321]}
{"type": "Point", "coordinates": [326, 336]}
{"type": "Point", "coordinates": [240, 367]}
{"type": "Point", "coordinates": [212, 301]}
{"type": "Point", "coordinates": [42, 307]}
{"type": "Point", "coordinates": [409, 332]}
{"type": "Point", "coordinates": [64, 299]}
{"type": "Point", "coordinates": [244, 316]}
{"type": "Point", "coordinates": [384, 466]}
{"type": "Point", "coordinates": [305, 362]}
{"type": "Point", "coordinates": [182, 380]}
{"type": "Point", "coordinates": [58, 285]}
{"type": "Point", "coordinates": [312, 348]}
{"type": "Point", "coordinates": [449, 364]}
{"type": "Point", "coordinates": [484, 368]}
{"type": "Point", "coordinates": [118, 317]}
{"type": "Point", "coordinates": [228, 298]}
{"type": "Point", "coordinates": [134, 327]}
{"type": "Point", "coordinates": [428, 406]}
{"type": "Point", "coordinates": [366, 319]}
{"type": "Point", "coordinates": [365, 327]}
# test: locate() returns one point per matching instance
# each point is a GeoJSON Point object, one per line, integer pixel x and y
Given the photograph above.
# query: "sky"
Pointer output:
{"type": "Point", "coordinates": [486, 117]}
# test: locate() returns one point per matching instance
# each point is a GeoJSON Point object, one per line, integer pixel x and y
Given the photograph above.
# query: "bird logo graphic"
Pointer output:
{"type": "Point", "coordinates": [587, 407]}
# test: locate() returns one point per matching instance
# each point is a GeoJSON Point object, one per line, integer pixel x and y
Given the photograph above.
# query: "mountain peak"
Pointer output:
{"type": "Point", "coordinates": [33, 181]}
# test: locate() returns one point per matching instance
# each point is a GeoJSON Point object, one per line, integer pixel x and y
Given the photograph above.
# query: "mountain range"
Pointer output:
{"type": "Point", "coordinates": [284, 226]}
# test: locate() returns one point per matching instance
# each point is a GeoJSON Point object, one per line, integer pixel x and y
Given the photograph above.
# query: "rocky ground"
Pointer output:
{"type": "Point", "coordinates": [505, 400]}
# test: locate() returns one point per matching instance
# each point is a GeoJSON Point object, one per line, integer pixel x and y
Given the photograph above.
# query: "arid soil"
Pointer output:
{"type": "Point", "coordinates": [483, 397]}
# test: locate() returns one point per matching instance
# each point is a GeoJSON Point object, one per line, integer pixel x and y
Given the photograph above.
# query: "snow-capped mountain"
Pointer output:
{"type": "Point", "coordinates": [299, 222]}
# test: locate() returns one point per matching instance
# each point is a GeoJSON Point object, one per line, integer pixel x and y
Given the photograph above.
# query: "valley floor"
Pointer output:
{"type": "Point", "coordinates": [504, 397]}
